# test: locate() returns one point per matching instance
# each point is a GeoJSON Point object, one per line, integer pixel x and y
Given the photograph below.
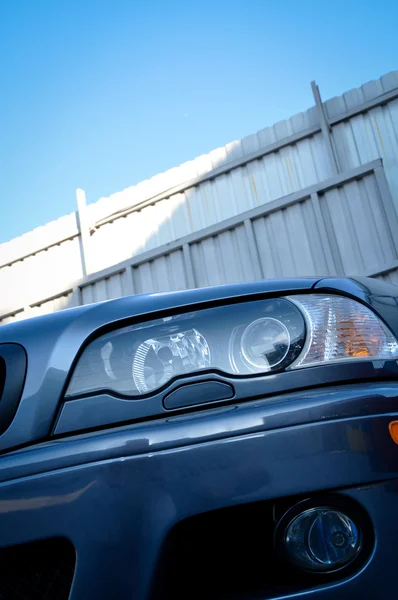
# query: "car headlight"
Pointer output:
{"type": "Point", "coordinates": [341, 329]}
{"type": "Point", "coordinates": [240, 339]}
{"type": "Point", "coordinates": [248, 338]}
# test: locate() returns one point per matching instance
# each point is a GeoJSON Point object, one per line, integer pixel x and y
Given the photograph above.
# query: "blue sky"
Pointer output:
{"type": "Point", "coordinates": [103, 94]}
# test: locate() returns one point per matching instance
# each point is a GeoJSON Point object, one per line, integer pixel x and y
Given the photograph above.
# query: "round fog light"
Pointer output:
{"type": "Point", "coordinates": [322, 539]}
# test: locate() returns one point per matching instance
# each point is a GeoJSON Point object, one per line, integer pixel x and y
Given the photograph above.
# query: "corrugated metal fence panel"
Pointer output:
{"type": "Point", "coordinates": [204, 164]}
{"type": "Point", "coordinates": [359, 225]}
{"type": "Point", "coordinates": [343, 225]}
{"type": "Point", "coordinates": [105, 289]}
{"type": "Point", "coordinates": [48, 234]}
{"type": "Point", "coordinates": [222, 258]}
{"type": "Point", "coordinates": [257, 183]}
{"type": "Point", "coordinates": [361, 139]}
{"type": "Point", "coordinates": [15, 317]}
{"type": "Point", "coordinates": [65, 301]}
{"type": "Point", "coordinates": [69, 299]}
{"type": "Point", "coordinates": [368, 136]}
{"type": "Point", "coordinates": [45, 272]}
{"type": "Point", "coordinates": [289, 242]}
{"type": "Point", "coordinates": [140, 231]}
{"type": "Point", "coordinates": [165, 273]}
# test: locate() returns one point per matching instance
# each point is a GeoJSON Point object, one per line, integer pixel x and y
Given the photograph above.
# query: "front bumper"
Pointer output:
{"type": "Point", "coordinates": [117, 494]}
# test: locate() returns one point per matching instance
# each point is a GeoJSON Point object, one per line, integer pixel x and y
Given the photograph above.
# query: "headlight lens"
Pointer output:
{"type": "Point", "coordinates": [341, 329]}
{"type": "Point", "coordinates": [265, 343]}
{"type": "Point", "coordinates": [241, 339]}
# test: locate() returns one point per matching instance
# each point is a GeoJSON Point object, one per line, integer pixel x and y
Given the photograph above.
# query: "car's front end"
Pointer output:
{"type": "Point", "coordinates": [234, 442]}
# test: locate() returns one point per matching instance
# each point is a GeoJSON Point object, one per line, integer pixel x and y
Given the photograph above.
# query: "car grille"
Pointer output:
{"type": "Point", "coordinates": [37, 571]}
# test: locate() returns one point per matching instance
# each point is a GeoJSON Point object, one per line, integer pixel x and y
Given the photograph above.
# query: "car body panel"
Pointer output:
{"type": "Point", "coordinates": [118, 509]}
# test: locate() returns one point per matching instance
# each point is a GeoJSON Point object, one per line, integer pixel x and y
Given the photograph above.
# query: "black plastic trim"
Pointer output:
{"type": "Point", "coordinates": [14, 360]}
{"type": "Point", "coordinates": [198, 393]}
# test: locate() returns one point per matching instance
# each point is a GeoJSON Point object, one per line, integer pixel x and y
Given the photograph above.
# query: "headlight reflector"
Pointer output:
{"type": "Point", "coordinates": [265, 343]}
{"type": "Point", "coordinates": [179, 353]}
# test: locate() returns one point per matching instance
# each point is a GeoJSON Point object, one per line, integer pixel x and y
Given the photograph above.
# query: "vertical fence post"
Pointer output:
{"type": "Point", "coordinates": [326, 129]}
{"type": "Point", "coordinates": [77, 297]}
{"type": "Point", "coordinates": [253, 249]}
{"type": "Point", "coordinates": [128, 281]}
{"type": "Point", "coordinates": [328, 237]}
{"type": "Point", "coordinates": [189, 270]}
{"type": "Point", "coordinates": [84, 231]}
{"type": "Point", "coordinates": [388, 205]}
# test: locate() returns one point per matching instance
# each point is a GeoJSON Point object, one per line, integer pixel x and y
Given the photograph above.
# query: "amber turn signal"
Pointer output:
{"type": "Point", "coordinates": [393, 428]}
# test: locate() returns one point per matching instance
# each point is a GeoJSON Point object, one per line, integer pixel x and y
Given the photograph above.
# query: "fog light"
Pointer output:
{"type": "Point", "coordinates": [322, 539]}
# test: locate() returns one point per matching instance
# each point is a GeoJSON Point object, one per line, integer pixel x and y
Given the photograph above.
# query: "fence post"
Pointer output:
{"type": "Point", "coordinates": [388, 205]}
{"type": "Point", "coordinates": [77, 297]}
{"type": "Point", "coordinates": [84, 231]}
{"type": "Point", "coordinates": [189, 270]}
{"type": "Point", "coordinates": [326, 232]}
{"type": "Point", "coordinates": [253, 249]}
{"type": "Point", "coordinates": [326, 129]}
{"type": "Point", "coordinates": [128, 281]}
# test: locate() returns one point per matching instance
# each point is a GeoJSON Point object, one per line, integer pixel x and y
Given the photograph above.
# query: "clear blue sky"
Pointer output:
{"type": "Point", "coordinates": [101, 94]}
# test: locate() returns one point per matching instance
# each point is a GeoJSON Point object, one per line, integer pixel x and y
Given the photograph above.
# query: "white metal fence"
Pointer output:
{"type": "Point", "coordinates": [314, 195]}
